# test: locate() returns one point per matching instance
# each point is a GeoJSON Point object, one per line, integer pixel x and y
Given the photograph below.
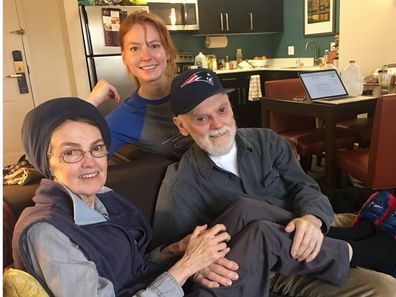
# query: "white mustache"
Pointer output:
{"type": "Point", "coordinates": [218, 132]}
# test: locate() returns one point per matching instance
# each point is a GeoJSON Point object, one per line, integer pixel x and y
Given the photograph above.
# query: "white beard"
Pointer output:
{"type": "Point", "coordinates": [209, 145]}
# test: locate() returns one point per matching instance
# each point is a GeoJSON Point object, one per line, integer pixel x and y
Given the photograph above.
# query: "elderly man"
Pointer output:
{"type": "Point", "coordinates": [226, 164]}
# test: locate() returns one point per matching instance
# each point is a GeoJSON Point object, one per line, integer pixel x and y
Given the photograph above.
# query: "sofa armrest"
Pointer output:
{"type": "Point", "coordinates": [9, 221]}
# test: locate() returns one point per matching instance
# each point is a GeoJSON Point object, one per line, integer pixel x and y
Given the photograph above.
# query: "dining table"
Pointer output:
{"type": "Point", "coordinates": [329, 112]}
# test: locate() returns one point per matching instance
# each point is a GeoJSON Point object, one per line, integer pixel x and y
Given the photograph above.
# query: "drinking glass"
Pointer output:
{"type": "Point", "coordinates": [384, 79]}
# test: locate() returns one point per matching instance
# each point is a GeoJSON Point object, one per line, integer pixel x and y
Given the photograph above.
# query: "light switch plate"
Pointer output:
{"type": "Point", "coordinates": [290, 50]}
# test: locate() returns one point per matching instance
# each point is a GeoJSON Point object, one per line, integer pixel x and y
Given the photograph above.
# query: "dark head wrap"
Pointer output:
{"type": "Point", "coordinates": [40, 122]}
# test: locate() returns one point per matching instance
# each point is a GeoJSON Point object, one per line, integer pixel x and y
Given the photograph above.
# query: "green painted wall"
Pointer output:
{"type": "Point", "coordinates": [271, 45]}
{"type": "Point", "coordinates": [251, 45]}
{"type": "Point", "coordinates": [293, 32]}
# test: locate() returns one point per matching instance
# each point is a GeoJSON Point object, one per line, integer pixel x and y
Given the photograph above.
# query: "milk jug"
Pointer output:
{"type": "Point", "coordinates": [352, 78]}
{"type": "Point", "coordinates": [200, 61]}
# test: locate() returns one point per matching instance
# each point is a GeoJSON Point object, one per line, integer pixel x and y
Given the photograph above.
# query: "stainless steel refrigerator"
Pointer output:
{"type": "Point", "coordinates": [100, 28]}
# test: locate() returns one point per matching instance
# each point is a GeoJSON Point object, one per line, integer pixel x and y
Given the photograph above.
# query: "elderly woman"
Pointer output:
{"type": "Point", "coordinates": [81, 238]}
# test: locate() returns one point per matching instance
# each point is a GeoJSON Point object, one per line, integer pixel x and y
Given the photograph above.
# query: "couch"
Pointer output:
{"type": "Point", "coordinates": [134, 174]}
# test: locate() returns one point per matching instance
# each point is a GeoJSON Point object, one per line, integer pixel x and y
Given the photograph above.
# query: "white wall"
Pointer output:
{"type": "Point", "coordinates": [57, 64]}
{"type": "Point", "coordinates": [367, 33]}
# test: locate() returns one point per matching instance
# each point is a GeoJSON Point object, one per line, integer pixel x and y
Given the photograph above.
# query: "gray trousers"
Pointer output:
{"type": "Point", "coordinates": [260, 245]}
{"type": "Point", "coordinates": [360, 282]}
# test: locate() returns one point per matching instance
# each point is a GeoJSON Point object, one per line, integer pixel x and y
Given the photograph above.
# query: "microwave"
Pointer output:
{"type": "Point", "coordinates": [178, 15]}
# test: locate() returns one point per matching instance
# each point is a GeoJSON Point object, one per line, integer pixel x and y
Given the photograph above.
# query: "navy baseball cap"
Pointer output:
{"type": "Point", "coordinates": [192, 87]}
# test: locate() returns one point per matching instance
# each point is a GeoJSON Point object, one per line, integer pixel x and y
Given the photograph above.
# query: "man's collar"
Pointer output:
{"type": "Point", "coordinates": [205, 165]}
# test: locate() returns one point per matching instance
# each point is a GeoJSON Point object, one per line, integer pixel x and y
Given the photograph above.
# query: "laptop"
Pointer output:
{"type": "Point", "coordinates": [325, 86]}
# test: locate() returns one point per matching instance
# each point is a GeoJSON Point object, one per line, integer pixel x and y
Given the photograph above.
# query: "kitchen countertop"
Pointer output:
{"type": "Point", "coordinates": [273, 68]}
{"type": "Point", "coordinates": [278, 64]}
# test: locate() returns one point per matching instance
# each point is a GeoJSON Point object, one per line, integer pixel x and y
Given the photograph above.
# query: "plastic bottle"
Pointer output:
{"type": "Point", "coordinates": [328, 65]}
{"type": "Point", "coordinates": [200, 61]}
{"type": "Point", "coordinates": [227, 63]}
{"type": "Point", "coordinates": [352, 78]}
{"type": "Point", "coordinates": [326, 56]}
{"type": "Point", "coordinates": [239, 55]}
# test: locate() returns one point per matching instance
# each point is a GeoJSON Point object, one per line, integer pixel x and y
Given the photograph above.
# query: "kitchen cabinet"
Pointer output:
{"type": "Point", "coordinates": [240, 16]}
{"type": "Point", "coordinates": [218, 17]}
{"type": "Point", "coordinates": [248, 113]}
{"type": "Point", "coordinates": [264, 16]}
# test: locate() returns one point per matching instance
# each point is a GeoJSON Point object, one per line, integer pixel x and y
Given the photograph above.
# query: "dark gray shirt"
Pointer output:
{"type": "Point", "coordinates": [195, 191]}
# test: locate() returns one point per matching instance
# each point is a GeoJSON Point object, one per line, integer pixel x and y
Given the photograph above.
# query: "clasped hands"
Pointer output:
{"type": "Point", "coordinates": [307, 241]}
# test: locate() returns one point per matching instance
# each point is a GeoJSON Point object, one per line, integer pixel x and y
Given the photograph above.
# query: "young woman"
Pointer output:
{"type": "Point", "coordinates": [144, 118]}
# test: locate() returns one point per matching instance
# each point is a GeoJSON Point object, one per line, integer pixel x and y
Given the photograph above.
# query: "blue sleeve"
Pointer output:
{"type": "Point", "coordinates": [126, 124]}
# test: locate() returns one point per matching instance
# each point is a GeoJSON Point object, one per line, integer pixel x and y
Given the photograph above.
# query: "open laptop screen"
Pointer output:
{"type": "Point", "coordinates": [323, 84]}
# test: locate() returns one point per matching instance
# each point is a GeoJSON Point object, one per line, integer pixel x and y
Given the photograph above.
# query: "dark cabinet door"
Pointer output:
{"type": "Point", "coordinates": [233, 16]}
{"type": "Point", "coordinates": [240, 16]}
{"type": "Point", "coordinates": [264, 15]}
{"type": "Point", "coordinates": [212, 16]}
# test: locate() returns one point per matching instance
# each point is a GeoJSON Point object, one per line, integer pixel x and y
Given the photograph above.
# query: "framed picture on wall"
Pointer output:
{"type": "Point", "coordinates": [319, 17]}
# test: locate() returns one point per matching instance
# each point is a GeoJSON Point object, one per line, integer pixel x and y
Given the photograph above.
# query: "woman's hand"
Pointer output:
{"type": "Point", "coordinates": [175, 249]}
{"type": "Point", "coordinates": [203, 248]}
{"type": "Point", "coordinates": [101, 92]}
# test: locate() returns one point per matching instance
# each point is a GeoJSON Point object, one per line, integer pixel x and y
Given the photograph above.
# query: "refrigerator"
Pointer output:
{"type": "Point", "coordinates": [99, 26]}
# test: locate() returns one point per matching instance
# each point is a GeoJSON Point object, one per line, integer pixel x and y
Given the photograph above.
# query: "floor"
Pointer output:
{"type": "Point", "coordinates": [349, 197]}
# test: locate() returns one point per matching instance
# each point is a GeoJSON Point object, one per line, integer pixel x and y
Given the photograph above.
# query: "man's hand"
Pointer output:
{"type": "Point", "coordinates": [101, 92]}
{"type": "Point", "coordinates": [308, 237]}
{"type": "Point", "coordinates": [221, 272]}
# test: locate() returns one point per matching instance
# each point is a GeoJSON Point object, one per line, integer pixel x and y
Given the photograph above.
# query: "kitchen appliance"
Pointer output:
{"type": "Point", "coordinates": [185, 60]}
{"type": "Point", "coordinates": [177, 14]}
{"type": "Point", "coordinates": [103, 54]}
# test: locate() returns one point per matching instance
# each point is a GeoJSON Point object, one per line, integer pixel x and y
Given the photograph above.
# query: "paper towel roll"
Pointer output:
{"type": "Point", "coordinates": [216, 41]}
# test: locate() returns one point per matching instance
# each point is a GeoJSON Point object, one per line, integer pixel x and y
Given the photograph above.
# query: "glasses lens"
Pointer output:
{"type": "Point", "coordinates": [73, 156]}
{"type": "Point", "coordinates": [99, 151]}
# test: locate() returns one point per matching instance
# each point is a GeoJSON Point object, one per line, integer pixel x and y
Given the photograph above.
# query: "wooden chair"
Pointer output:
{"type": "Point", "coordinates": [360, 127]}
{"type": "Point", "coordinates": [301, 132]}
{"type": "Point", "coordinates": [375, 166]}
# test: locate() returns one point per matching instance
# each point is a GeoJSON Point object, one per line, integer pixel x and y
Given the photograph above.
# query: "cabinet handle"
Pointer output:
{"type": "Point", "coordinates": [229, 79]}
{"type": "Point", "coordinates": [239, 96]}
{"type": "Point", "coordinates": [251, 21]}
{"type": "Point", "coordinates": [221, 22]}
{"type": "Point", "coordinates": [243, 95]}
{"type": "Point", "coordinates": [227, 25]}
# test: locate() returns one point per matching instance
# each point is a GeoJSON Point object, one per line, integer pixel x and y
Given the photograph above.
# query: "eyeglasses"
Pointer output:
{"type": "Point", "coordinates": [76, 155]}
